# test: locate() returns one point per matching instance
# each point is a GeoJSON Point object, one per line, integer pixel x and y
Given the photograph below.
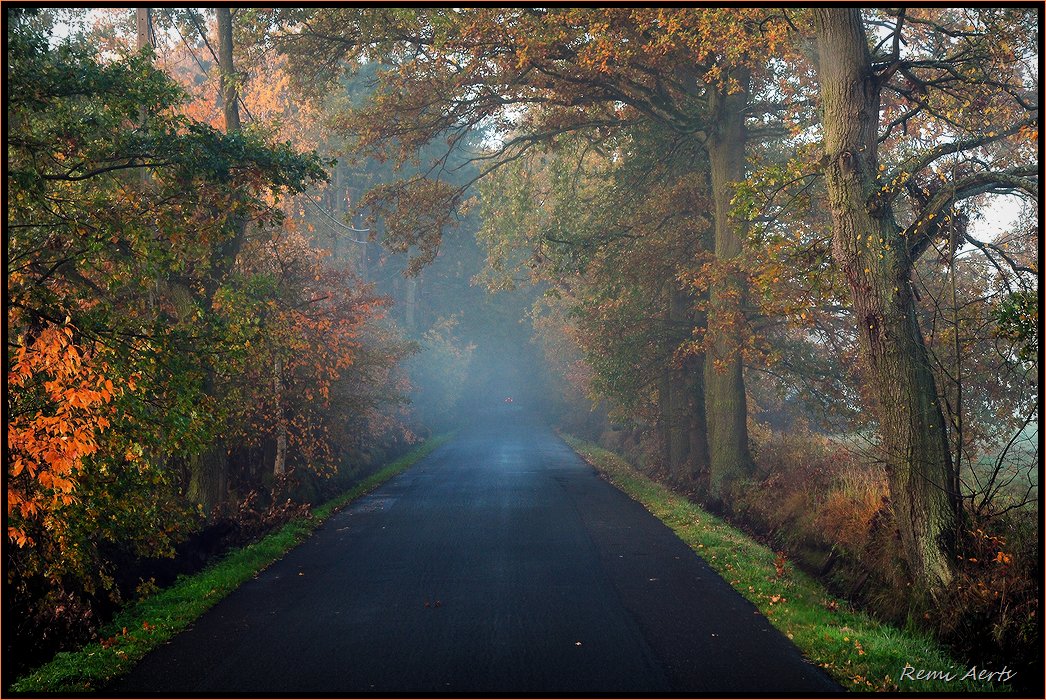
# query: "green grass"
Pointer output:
{"type": "Point", "coordinates": [859, 652]}
{"type": "Point", "coordinates": [148, 623]}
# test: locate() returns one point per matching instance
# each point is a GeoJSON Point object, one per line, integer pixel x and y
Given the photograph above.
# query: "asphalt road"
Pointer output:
{"type": "Point", "coordinates": [501, 563]}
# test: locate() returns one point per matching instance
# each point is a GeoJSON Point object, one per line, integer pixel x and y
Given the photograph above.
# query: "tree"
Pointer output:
{"type": "Point", "coordinates": [609, 227]}
{"type": "Point", "coordinates": [964, 64]}
{"type": "Point", "coordinates": [534, 74]}
{"type": "Point", "coordinates": [107, 342]}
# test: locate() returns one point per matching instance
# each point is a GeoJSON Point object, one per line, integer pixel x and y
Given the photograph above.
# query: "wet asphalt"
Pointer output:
{"type": "Point", "coordinates": [500, 564]}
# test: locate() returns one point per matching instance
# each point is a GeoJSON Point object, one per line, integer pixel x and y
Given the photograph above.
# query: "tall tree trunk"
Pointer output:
{"type": "Point", "coordinates": [280, 464]}
{"type": "Point", "coordinates": [868, 246]}
{"type": "Point", "coordinates": [209, 482]}
{"type": "Point", "coordinates": [223, 257]}
{"type": "Point", "coordinates": [672, 399]}
{"type": "Point", "coordinates": [686, 429]}
{"type": "Point", "coordinates": [727, 411]}
{"type": "Point", "coordinates": [208, 479]}
{"type": "Point", "coordinates": [685, 446]}
{"type": "Point", "coordinates": [230, 94]}
{"type": "Point", "coordinates": [144, 41]}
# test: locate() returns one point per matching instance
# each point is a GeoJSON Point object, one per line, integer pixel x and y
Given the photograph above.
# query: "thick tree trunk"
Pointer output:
{"type": "Point", "coordinates": [727, 411]}
{"type": "Point", "coordinates": [208, 480]}
{"type": "Point", "coordinates": [873, 255]}
{"type": "Point", "coordinates": [684, 437]}
{"type": "Point", "coordinates": [667, 417]}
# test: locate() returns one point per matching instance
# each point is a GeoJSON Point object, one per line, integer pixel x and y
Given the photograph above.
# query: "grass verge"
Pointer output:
{"type": "Point", "coordinates": [859, 652]}
{"type": "Point", "coordinates": [148, 623]}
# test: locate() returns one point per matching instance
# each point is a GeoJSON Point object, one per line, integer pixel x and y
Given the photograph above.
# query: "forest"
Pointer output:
{"type": "Point", "coordinates": [784, 260]}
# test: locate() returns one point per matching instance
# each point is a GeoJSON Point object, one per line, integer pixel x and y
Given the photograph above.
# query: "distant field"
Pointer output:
{"type": "Point", "coordinates": [1018, 472]}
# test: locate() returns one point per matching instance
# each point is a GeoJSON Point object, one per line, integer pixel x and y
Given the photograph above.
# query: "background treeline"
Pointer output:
{"type": "Point", "coordinates": [761, 251]}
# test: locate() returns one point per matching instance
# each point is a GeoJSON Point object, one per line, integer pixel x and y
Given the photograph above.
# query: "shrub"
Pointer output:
{"type": "Point", "coordinates": [991, 610]}
{"type": "Point", "coordinates": [829, 511]}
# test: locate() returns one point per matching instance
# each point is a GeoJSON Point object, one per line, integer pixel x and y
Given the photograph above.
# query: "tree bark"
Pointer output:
{"type": "Point", "coordinates": [683, 427]}
{"type": "Point", "coordinates": [142, 26]}
{"type": "Point", "coordinates": [144, 41]}
{"type": "Point", "coordinates": [688, 447]}
{"type": "Point", "coordinates": [868, 246]}
{"type": "Point", "coordinates": [727, 411]}
{"type": "Point", "coordinates": [209, 482]}
{"type": "Point", "coordinates": [280, 464]}
{"type": "Point", "coordinates": [230, 95]}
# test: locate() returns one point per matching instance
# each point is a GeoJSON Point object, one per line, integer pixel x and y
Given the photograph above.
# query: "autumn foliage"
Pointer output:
{"type": "Point", "coordinates": [180, 352]}
{"type": "Point", "coordinates": [777, 293]}
{"type": "Point", "coordinates": [732, 237]}
{"type": "Point", "coordinates": [60, 415]}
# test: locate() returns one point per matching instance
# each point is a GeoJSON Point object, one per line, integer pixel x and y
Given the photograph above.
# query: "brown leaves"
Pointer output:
{"type": "Point", "coordinates": [415, 212]}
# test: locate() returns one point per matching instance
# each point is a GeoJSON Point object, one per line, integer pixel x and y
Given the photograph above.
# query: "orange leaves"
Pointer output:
{"type": "Point", "coordinates": [19, 537]}
{"type": "Point", "coordinates": [59, 392]}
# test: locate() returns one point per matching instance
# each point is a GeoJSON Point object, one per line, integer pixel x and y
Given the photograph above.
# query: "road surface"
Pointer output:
{"type": "Point", "coordinates": [501, 563]}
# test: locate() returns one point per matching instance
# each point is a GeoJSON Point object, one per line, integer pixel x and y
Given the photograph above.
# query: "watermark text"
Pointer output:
{"type": "Point", "coordinates": [973, 673]}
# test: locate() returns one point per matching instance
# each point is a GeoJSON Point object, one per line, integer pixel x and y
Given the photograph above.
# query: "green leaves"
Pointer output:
{"type": "Point", "coordinates": [126, 261]}
{"type": "Point", "coordinates": [1018, 321]}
